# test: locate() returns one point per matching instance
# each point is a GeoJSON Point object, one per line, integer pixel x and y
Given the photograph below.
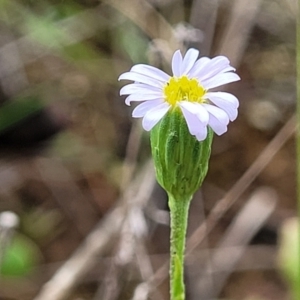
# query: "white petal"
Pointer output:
{"type": "Point", "coordinates": [189, 60]}
{"type": "Point", "coordinates": [202, 134]}
{"type": "Point", "coordinates": [220, 79]}
{"type": "Point", "coordinates": [196, 119]}
{"type": "Point", "coordinates": [218, 119]}
{"type": "Point", "coordinates": [176, 63]}
{"type": "Point", "coordinates": [138, 88]}
{"type": "Point", "coordinates": [228, 102]}
{"type": "Point", "coordinates": [131, 98]}
{"type": "Point", "coordinates": [202, 113]}
{"type": "Point", "coordinates": [144, 107]}
{"type": "Point", "coordinates": [198, 66]}
{"type": "Point", "coordinates": [195, 126]}
{"type": "Point", "coordinates": [227, 69]}
{"type": "Point", "coordinates": [141, 78]}
{"type": "Point", "coordinates": [196, 109]}
{"type": "Point", "coordinates": [153, 116]}
{"type": "Point", "coordinates": [225, 96]}
{"type": "Point", "coordinates": [217, 112]}
{"type": "Point", "coordinates": [145, 96]}
{"type": "Point", "coordinates": [151, 72]}
{"type": "Point", "coordinates": [215, 67]}
{"type": "Point", "coordinates": [217, 126]}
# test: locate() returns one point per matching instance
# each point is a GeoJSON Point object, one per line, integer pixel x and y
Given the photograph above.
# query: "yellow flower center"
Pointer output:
{"type": "Point", "coordinates": [183, 89]}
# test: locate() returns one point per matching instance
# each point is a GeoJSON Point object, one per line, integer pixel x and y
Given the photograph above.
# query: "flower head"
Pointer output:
{"type": "Point", "coordinates": [187, 91]}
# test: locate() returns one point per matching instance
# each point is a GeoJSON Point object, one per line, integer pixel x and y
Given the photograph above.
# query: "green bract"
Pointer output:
{"type": "Point", "coordinates": [181, 161]}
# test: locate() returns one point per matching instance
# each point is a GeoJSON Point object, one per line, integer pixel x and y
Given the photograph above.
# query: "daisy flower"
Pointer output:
{"type": "Point", "coordinates": [187, 90]}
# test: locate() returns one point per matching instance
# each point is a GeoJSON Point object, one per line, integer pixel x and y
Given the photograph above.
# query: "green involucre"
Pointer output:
{"type": "Point", "coordinates": [181, 161]}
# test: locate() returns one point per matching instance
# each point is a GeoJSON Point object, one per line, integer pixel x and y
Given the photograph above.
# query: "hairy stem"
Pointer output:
{"type": "Point", "coordinates": [179, 214]}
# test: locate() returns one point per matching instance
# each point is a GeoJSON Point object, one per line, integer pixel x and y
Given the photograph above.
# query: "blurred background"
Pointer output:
{"type": "Point", "coordinates": [81, 214]}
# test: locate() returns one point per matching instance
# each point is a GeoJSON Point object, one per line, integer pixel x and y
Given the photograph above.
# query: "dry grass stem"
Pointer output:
{"type": "Point", "coordinates": [66, 277]}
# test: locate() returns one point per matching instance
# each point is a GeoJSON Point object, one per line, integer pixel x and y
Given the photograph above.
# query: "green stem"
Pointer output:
{"type": "Point", "coordinates": [179, 214]}
{"type": "Point", "coordinates": [297, 285]}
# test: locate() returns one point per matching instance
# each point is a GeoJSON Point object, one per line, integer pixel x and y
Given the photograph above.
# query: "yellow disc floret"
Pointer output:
{"type": "Point", "coordinates": [183, 89]}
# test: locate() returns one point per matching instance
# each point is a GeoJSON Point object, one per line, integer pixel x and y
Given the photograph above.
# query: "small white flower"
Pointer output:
{"type": "Point", "coordinates": [187, 89]}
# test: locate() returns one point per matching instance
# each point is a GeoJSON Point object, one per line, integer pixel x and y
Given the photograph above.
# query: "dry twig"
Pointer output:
{"type": "Point", "coordinates": [66, 277]}
{"type": "Point", "coordinates": [246, 224]}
